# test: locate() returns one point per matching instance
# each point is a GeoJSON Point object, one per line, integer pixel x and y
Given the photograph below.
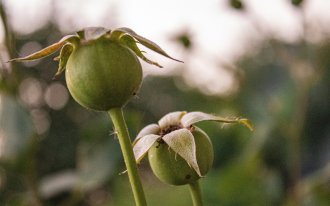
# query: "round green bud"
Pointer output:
{"type": "Point", "coordinates": [103, 74]}
{"type": "Point", "coordinates": [171, 168]}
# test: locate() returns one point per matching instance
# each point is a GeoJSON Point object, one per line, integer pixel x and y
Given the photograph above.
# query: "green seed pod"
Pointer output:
{"type": "Point", "coordinates": [173, 169]}
{"type": "Point", "coordinates": [103, 74]}
{"type": "Point", "coordinates": [103, 70]}
{"type": "Point", "coordinates": [179, 152]}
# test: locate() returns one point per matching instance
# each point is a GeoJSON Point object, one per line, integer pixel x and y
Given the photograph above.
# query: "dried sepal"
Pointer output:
{"type": "Point", "coordinates": [172, 118]}
{"type": "Point", "coordinates": [46, 51]}
{"type": "Point", "coordinates": [149, 129]}
{"type": "Point", "coordinates": [130, 42]}
{"type": "Point", "coordinates": [182, 142]}
{"type": "Point", "coordinates": [195, 117]}
{"type": "Point", "coordinates": [92, 33]}
{"type": "Point", "coordinates": [247, 123]}
{"type": "Point", "coordinates": [124, 36]}
{"type": "Point", "coordinates": [142, 146]}
{"type": "Point", "coordinates": [63, 58]}
{"type": "Point", "coordinates": [145, 42]}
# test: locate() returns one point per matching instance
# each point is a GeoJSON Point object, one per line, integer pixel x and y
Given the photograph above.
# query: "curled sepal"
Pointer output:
{"type": "Point", "coordinates": [46, 51]}
{"type": "Point", "coordinates": [130, 42]}
{"type": "Point", "coordinates": [247, 123]}
{"type": "Point", "coordinates": [63, 58]}
{"type": "Point", "coordinates": [92, 33]}
{"type": "Point", "coordinates": [182, 143]}
{"type": "Point", "coordinates": [146, 42]}
{"type": "Point", "coordinates": [149, 129]}
{"type": "Point", "coordinates": [171, 119]}
{"type": "Point", "coordinates": [195, 117]}
{"type": "Point", "coordinates": [142, 146]}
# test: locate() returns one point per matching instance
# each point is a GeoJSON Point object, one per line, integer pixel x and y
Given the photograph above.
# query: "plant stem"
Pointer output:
{"type": "Point", "coordinates": [118, 120]}
{"type": "Point", "coordinates": [196, 193]}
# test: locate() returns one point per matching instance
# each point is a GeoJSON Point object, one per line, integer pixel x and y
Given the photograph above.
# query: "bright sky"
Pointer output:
{"type": "Point", "coordinates": [221, 34]}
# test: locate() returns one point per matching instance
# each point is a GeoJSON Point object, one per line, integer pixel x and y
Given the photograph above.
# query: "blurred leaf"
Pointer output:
{"type": "Point", "coordinates": [158, 193]}
{"type": "Point", "coordinates": [55, 184]}
{"type": "Point", "coordinates": [96, 163]}
{"type": "Point", "coordinates": [16, 129]}
{"type": "Point", "coordinates": [98, 154]}
{"type": "Point", "coordinates": [316, 187]}
{"type": "Point", "coordinates": [242, 183]}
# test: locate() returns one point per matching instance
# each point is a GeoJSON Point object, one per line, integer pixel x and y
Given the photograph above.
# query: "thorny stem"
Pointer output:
{"type": "Point", "coordinates": [118, 120]}
{"type": "Point", "coordinates": [196, 193]}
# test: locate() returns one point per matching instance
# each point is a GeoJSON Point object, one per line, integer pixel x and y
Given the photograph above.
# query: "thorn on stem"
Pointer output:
{"type": "Point", "coordinates": [114, 133]}
{"type": "Point", "coordinates": [123, 172]}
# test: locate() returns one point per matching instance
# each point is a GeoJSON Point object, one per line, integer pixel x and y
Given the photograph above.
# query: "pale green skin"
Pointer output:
{"type": "Point", "coordinates": [172, 169]}
{"type": "Point", "coordinates": [103, 74]}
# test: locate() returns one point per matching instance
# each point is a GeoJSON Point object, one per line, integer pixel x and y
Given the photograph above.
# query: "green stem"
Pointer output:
{"type": "Point", "coordinates": [196, 193]}
{"type": "Point", "coordinates": [118, 120]}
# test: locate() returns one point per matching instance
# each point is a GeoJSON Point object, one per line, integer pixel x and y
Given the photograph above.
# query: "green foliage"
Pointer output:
{"type": "Point", "coordinates": [16, 128]}
{"type": "Point", "coordinates": [242, 184]}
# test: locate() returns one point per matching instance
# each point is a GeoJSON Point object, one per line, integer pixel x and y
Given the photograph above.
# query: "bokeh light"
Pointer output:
{"type": "Point", "coordinates": [28, 16]}
{"type": "Point", "coordinates": [40, 120]}
{"type": "Point", "coordinates": [56, 96]}
{"type": "Point", "coordinates": [26, 49]}
{"type": "Point", "coordinates": [31, 92]}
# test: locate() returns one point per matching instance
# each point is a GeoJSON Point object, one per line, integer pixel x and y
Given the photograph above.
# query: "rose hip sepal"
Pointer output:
{"type": "Point", "coordinates": [179, 152]}
{"type": "Point", "coordinates": [102, 68]}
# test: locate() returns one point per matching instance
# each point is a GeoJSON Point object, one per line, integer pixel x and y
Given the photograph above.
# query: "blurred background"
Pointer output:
{"type": "Point", "coordinates": [268, 61]}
